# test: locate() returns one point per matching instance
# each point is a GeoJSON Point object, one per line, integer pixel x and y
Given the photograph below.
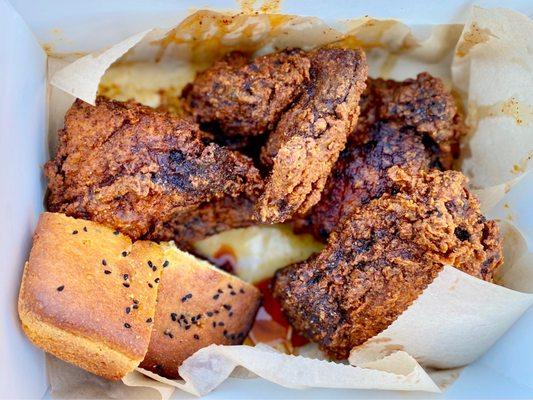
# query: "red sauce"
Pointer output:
{"type": "Point", "coordinates": [225, 258]}
{"type": "Point", "coordinates": [273, 308]}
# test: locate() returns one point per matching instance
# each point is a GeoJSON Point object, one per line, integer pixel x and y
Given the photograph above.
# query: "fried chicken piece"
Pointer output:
{"type": "Point", "coordinates": [128, 166]}
{"type": "Point", "coordinates": [413, 124]}
{"type": "Point", "coordinates": [186, 228]}
{"type": "Point", "coordinates": [382, 256]}
{"type": "Point", "coordinates": [423, 104]}
{"type": "Point", "coordinates": [309, 137]}
{"type": "Point", "coordinates": [238, 97]}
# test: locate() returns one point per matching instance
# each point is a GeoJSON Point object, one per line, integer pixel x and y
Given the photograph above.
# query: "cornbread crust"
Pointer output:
{"type": "Point", "coordinates": [72, 308]}
{"type": "Point", "coordinates": [197, 305]}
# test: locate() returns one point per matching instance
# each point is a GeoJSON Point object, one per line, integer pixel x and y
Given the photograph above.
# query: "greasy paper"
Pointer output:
{"type": "Point", "coordinates": [450, 324]}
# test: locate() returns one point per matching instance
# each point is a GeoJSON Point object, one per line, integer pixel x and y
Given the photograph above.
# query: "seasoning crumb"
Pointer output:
{"type": "Point", "coordinates": [60, 288]}
{"type": "Point", "coordinates": [126, 325]}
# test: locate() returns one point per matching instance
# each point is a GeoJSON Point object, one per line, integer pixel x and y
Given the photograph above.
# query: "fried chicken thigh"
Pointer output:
{"type": "Point", "coordinates": [130, 167]}
{"type": "Point", "coordinates": [238, 97]}
{"type": "Point", "coordinates": [307, 140]}
{"type": "Point", "coordinates": [381, 257]}
{"type": "Point", "coordinates": [413, 124]}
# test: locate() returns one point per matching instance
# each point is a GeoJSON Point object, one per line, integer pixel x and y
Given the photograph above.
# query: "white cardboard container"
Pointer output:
{"type": "Point", "coordinates": [26, 26]}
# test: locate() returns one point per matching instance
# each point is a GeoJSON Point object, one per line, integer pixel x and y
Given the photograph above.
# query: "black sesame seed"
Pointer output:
{"type": "Point", "coordinates": [209, 313]}
{"type": "Point", "coordinates": [126, 277]}
{"type": "Point", "coordinates": [187, 327]}
{"type": "Point", "coordinates": [168, 333]}
{"type": "Point", "coordinates": [230, 314]}
{"type": "Point", "coordinates": [220, 291]}
{"type": "Point", "coordinates": [84, 229]}
{"type": "Point", "coordinates": [60, 288]}
{"type": "Point", "coordinates": [104, 263]}
{"type": "Point", "coordinates": [156, 280]}
{"type": "Point", "coordinates": [74, 232]}
{"type": "Point", "coordinates": [186, 297]}
{"type": "Point", "coordinates": [116, 233]}
{"type": "Point", "coordinates": [225, 332]}
{"type": "Point", "coordinates": [232, 336]}
{"type": "Point", "coordinates": [128, 310]}
{"type": "Point", "coordinates": [182, 316]}
{"type": "Point", "coordinates": [214, 324]}
{"type": "Point", "coordinates": [126, 325]}
{"type": "Point", "coordinates": [126, 284]}
{"type": "Point", "coordinates": [149, 320]}
{"type": "Point", "coordinates": [198, 317]}
{"type": "Point", "coordinates": [193, 320]}
{"type": "Point", "coordinates": [196, 337]}
{"type": "Point", "coordinates": [154, 268]}
{"type": "Point", "coordinates": [240, 335]}
{"type": "Point", "coordinates": [229, 286]}
{"type": "Point", "coordinates": [107, 272]}
{"type": "Point", "coordinates": [135, 306]}
{"type": "Point", "coordinates": [150, 285]}
{"type": "Point", "coordinates": [232, 293]}
{"type": "Point", "coordinates": [135, 301]}
{"type": "Point", "coordinates": [150, 264]}
{"type": "Point", "coordinates": [124, 253]}
{"type": "Point", "coordinates": [174, 316]}
{"type": "Point", "coordinates": [165, 264]}
{"type": "Point", "coordinates": [227, 307]}
{"type": "Point", "coordinates": [216, 296]}
{"type": "Point", "coordinates": [216, 311]}
{"type": "Point", "coordinates": [221, 323]}
{"type": "Point", "coordinates": [241, 290]}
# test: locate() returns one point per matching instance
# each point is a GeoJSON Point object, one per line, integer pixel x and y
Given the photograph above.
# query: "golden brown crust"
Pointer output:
{"type": "Point", "coordinates": [197, 305]}
{"type": "Point", "coordinates": [238, 97]}
{"type": "Point", "coordinates": [129, 166]}
{"type": "Point", "coordinates": [413, 124]}
{"type": "Point", "coordinates": [381, 257]}
{"type": "Point", "coordinates": [310, 135]}
{"type": "Point", "coordinates": [87, 294]}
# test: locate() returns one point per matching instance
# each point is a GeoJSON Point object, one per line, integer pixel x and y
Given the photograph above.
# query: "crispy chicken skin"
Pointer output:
{"type": "Point", "coordinates": [210, 218]}
{"type": "Point", "coordinates": [128, 166]}
{"type": "Point", "coordinates": [413, 124]}
{"type": "Point", "coordinates": [309, 137]}
{"type": "Point", "coordinates": [382, 257]}
{"type": "Point", "coordinates": [238, 97]}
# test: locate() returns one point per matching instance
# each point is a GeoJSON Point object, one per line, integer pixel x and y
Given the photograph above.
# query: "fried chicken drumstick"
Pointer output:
{"type": "Point", "coordinates": [413, 124]}
{"type": "Point", "coordinates": [130, 167]}
{"type": "Point", "coordinates": [381, 257]}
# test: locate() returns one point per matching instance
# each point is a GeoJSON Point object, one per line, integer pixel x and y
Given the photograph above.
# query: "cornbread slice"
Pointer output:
{"type": "Point", "coordinates": [88, 294]}
{"type": "Point", "coordinates": [197, 305]}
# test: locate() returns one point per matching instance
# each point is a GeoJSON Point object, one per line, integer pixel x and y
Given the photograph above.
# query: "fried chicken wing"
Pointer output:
{"type": "Point", "coordinates": [238, 97]}
{"type": "Point", "coordinates": [309, 137]}
{"type": "Point", "coordinates": [413, 124]}
{"type": "Point", "coordinates": [130, 167]}
{"type": "Point", "coordinates": [382, 257]}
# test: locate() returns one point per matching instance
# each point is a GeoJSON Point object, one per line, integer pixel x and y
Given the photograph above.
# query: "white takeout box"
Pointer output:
{"type": "Point", "coordinates": [28, 27]}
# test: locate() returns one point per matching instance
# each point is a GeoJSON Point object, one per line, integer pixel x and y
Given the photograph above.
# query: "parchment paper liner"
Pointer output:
{"type": "Point", "coordinates": [457, 317]}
